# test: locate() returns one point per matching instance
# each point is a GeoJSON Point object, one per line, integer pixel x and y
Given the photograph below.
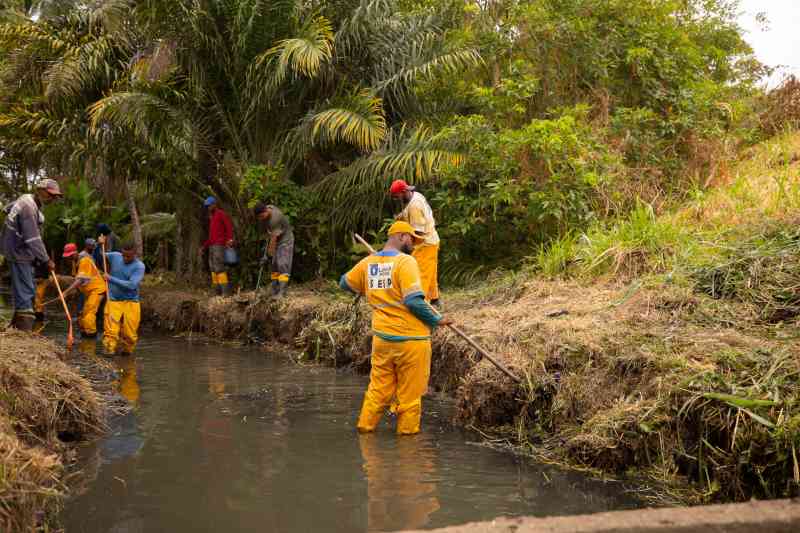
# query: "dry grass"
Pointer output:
{"type": "Point", "coordinates": [621, 378]}
{"type": "Point", "coordinates": [43, 402]}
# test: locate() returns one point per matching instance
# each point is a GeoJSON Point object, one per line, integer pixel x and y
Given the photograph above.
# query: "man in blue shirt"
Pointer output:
{"type": "Point", "coordinates": [125, 273]}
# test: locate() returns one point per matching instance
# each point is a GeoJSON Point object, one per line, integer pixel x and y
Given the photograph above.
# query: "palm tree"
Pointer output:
{"type": "Point", "coordinates": [327, 93]}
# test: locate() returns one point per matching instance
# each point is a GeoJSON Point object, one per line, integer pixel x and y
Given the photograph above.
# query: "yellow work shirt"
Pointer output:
{"type": "Point", "coordinates": [88, 271]}
{"type": "Point", "coordinates": [420, 215]}
{"type": "Point", "coordinates": [388, 279]}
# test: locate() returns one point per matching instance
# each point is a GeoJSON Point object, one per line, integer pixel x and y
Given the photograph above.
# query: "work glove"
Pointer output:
{"type": "Point", "coordinates": [264, 260]}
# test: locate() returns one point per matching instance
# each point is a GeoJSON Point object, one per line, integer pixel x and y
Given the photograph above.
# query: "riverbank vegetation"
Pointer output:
{"type": "Point", "coordinates": [45, 403]}
{"type": "Point", "coordinates": [617, 198]}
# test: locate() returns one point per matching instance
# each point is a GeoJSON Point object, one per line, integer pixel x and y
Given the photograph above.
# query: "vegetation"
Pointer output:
{"type": "Point", "coordinates": [562, 144]}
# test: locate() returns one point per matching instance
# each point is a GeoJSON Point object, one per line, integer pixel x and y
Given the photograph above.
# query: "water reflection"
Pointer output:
{"type": "Point", "coordinates": [401, 482]}
{"type": "Point", "coordinates": [226, 439]}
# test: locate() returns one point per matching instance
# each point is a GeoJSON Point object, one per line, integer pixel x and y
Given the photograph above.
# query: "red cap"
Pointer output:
{"type": "Point", "coordinates": [70, 249]}
{"type": "Point", "coordinates": [399, 187]}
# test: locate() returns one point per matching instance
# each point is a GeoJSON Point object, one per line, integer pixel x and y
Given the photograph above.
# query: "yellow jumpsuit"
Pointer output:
{"type": "Point", "coordinates": [419, 214]}
{"type": "Point", "coordinates": [401, 346]}
{"type": "Point", "coordinates": [93, 289]}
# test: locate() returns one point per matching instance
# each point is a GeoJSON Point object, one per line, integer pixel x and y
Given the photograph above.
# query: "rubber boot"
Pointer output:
{"type": "Point", "coordinates": [227, 289]}
{"type": "Point", "coordinates": [24, 321]}
{"type": "Point", "coordinates": [282, 287]}
{"type": "Point", "coordinates": [218, 289]}
{"type": "Point", "coordinates": [276, 288]}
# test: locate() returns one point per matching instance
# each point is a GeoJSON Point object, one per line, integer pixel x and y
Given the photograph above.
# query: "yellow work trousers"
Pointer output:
{"type": "Point", "coordinates": [41, 292]}
{"type": "Point", "coordinates": [427, 257]}
{"type": "Point", "coordinates": [91, 303]}
{"type": "Point", "coordinates": [402, 369]}
{"type": "Point", "coordinates": [121, 326]}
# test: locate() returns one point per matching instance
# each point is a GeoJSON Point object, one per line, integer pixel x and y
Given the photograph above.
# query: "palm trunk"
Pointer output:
{"type": "Point", "coordinates": [136, 225]}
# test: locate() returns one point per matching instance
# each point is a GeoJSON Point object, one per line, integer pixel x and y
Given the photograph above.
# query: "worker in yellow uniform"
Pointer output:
{"type": "Point", "coordinates": [123, 312]}
{"type": "Point", "coordinates": [90, 282]}
{"type": "Point", "coordinates": [418, 213]}
{"type": "Point", "coordinates": [402, 321]}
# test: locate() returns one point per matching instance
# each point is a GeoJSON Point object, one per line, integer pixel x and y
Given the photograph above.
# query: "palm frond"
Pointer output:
{"type": "Point", "coordinates": [305, 54]}
{"type": "Point", "coordinates": [356, 119]}
{"type": "Point", "coordinates": [358, 190]}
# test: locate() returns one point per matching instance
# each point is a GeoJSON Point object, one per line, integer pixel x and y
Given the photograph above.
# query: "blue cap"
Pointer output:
{"type": "Point", "coordinates": [210, 201]}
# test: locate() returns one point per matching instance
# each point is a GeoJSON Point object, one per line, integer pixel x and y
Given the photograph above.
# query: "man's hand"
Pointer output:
{"type": "Point", "coordinates": [446, 321]}
{"type": "Point", "coordinates": [273, 245]}
{"type": "Point", "coordinates": [229, 244]}
{"type": "Point", "coordinates": [107, 276]}
{"type": "Point", "coordinates": [51, 266]}
{"type": "Point", "coordinates": [200, 252]}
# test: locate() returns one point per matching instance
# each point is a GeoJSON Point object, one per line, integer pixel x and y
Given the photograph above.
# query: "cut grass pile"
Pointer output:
{"type": "Point", "coordinates": [44, 403]}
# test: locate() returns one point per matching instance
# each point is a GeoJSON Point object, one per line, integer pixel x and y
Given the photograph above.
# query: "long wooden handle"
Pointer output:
{"type": "Point", "coordinates": [365, 243]}
{"type": "Point", "coordinates": [484, 353]}
{"type": "Point", "coordinates": [70, 338]}
{"type": "Point", "coordinates": [105, 263]}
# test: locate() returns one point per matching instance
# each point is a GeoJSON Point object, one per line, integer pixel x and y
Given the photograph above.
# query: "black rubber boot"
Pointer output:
{"type": "Point", "coordinates": [276, 288]}
{"type": "Point", "coordinates": [227, 289]}
{"type": "Point", "coordinates": [24, 321]}
{"type": "Point", "coordinates": [218, 289]}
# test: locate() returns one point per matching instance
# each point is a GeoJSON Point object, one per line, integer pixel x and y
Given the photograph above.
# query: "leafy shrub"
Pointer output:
{"type": "Point", "coordinates": [519, 187]}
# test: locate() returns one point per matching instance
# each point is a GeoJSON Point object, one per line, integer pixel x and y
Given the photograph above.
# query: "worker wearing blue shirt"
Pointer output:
{"type": "Point", "coordinates": [123, 312]}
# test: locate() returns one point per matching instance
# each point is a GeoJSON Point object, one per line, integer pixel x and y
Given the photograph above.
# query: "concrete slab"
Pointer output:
{"type": "Point", "coordinates": [777, 516]}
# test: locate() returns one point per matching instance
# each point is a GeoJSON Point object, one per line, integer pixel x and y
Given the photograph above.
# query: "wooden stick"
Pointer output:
{"type": "Point", "coordinates": [460, 333]}
{"type": "Point", "coordinates": [365, 243]}
{"type": "Point", "coordinates": [484, 353]}
{"type": "Point", "coordinates": [70, 338]}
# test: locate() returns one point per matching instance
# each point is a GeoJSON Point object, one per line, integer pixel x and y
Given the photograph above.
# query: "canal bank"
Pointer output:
{"type": "Point", "coordinates": [49, 403]}
{"type": "Point", "coordinates": [648, 381]}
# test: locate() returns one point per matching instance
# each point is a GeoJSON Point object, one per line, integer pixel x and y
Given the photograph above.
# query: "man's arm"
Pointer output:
{"type": "Point", "coordinates": [353, 281]}
{"type": "Point", "coordinates": [423, 310]}
{"type": "Point", "coordinates": [29, 227]}
{"type": "Point", "coordinates": [132, 283]}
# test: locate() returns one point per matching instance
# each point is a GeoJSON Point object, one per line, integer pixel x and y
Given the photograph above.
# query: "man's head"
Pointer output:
{"type": "Point", "coordinates": [403, 237]}
{"type": "Point", "coordinates": [89, 245]}
{"type": "Point", "coordinates": [401, 191]}
{"type": "Point", "coordinates": [210, 204]}
{"type": "Point", "coordinates": [70, 251]}
{"type": "Point", "coordinates": [47, 190]}
{"type": "Point", "coordinates": [103, 229]}
{"type": "Point", "coordinates": [261, 211]}
{"type": "Point", "coordinates": [128, 252]}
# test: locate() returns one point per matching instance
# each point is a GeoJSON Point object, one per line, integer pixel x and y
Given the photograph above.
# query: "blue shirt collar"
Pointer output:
{"type": "Point", "coordinates": [387, 253]}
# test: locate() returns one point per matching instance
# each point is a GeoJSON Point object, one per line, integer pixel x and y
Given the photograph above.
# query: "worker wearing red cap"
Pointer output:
{"type": "Point", "coordinates": [418, 213]}
{"type": "Point", "coordinates": [90, 282]}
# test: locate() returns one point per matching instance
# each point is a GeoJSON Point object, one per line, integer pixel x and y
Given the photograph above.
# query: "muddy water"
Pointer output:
{"type": "Point", "coordinates": [232, 439]}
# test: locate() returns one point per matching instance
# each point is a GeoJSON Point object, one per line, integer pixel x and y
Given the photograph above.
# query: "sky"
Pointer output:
{"type": "Point", "coordinates": [778, 43]}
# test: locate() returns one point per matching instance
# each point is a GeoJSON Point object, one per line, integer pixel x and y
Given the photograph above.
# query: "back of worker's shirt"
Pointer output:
{"type": "Point", "coordinates": [279, 222]}
{"type": "Point", "coordinates": [87, 270]}
{"type": "Point", "coordinates": [388, 279]}
{"type": "Point", "coordinates": [125, 278]}
{"type": "Point", "coordinates": [420, 215]}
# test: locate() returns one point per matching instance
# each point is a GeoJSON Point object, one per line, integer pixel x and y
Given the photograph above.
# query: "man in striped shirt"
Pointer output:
{"type": "Point", "coordinates": [21, 244]}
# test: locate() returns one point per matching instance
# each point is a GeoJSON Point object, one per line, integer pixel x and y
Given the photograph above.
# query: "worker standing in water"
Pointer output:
{"type": "Point", "coordinates": [21, 244]}
{"type": "Point", "coordinates": [123, 311]}
{"type": "Point", "coordinates": [418, 213]}
{"type": "Point", "coordinates": [402, 321]}
{"type": "Point", "coordinates": [90, 282]}
{"type": "Point", "coordinates": [220, 236]}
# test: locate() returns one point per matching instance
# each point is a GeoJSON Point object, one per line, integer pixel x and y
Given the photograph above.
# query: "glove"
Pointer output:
{"type": "Point", "coordinates": [264, 260]}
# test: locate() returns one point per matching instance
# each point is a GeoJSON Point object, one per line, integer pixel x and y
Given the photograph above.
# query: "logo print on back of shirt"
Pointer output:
{"type": "Point", "coordinates": [380, 276]}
